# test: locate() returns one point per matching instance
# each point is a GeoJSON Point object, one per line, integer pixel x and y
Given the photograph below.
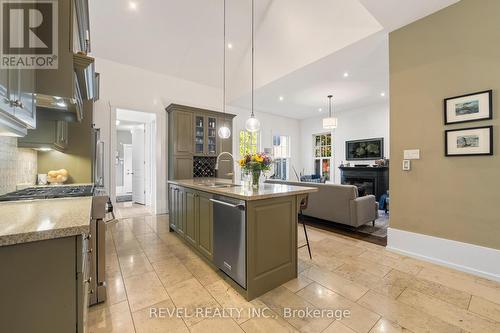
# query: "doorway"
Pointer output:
{"type": "Point", "coordinates": [134, 159]}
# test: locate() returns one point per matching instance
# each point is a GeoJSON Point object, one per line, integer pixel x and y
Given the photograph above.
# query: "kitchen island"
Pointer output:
{"type": "Point", "coordinates": [250, 234]}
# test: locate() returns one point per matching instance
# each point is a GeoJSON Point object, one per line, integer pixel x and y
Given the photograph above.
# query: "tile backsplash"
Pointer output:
{"type": "Point", "coordinates": [26, 166]}
{"type": "Point", "coordinates": [17, 166]}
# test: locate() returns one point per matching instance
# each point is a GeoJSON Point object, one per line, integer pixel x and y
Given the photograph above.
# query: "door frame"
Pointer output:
{"type": "Point", "coordinates": [154, 164]}
{"type": "Point", "coordinates": [125, 146]}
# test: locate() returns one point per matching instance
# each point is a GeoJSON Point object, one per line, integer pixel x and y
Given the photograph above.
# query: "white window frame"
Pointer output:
{"type": "Point", "coordinates": [331, 158]}
{"type": "Point", "coordinates": [282, 156]}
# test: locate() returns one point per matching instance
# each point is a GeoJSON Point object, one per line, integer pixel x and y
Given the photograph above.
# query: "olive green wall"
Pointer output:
{"type": "Point", "coordinates": [77, 158]}
{"type": "Point", "coordinates": [452, 52]}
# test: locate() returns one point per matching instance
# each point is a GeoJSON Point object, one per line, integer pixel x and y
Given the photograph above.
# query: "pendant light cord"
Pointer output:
{"type": "Point", "coordinates": [224, 68]}
{"type": "Point", "coordinates": [253, 55]}
{"type": "Point", "coordinates": [330, 106]}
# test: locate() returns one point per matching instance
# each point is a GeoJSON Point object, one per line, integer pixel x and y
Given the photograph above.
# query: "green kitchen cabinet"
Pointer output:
{"type": "Point", "coordinates": [172, 198]}
{"type": "Point", "coordinates": [49, 134]}
{"type": "Point", "coordinates": [191, 214]}
{"type": "Point", "coordinates": [205, 225]}
{"type": "Point", "coordinates": [181, 211]}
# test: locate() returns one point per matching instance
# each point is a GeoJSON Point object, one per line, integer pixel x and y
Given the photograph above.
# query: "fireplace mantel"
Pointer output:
{"type": "Point", "coordinates": [379, 176]}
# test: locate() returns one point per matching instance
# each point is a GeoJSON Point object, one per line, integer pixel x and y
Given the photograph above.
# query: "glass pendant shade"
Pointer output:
{"type": "Point", "coordinates": [224, 132]}
{"type": "Point", "coordinates": [330, 123]}
{"type": "Point", "coordinates": [252, 124]}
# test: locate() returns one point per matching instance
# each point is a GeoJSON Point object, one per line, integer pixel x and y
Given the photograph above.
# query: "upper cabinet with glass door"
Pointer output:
{"type": "Point", "coordinates": [212, 136]}
{"type": "Point", "coordinates": [199, 135]}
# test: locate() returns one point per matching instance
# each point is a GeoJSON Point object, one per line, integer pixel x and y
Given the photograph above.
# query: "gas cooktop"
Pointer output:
{"type": "Point", "coordinates": [49, 192]}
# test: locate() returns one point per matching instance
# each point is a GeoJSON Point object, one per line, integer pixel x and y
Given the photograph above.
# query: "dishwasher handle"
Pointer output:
{"type": "Point", "coordinates": [227, 204]}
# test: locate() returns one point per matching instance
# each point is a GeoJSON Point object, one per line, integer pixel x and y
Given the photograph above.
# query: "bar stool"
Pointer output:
{"type": "Point", "coordinates": [303, 205]}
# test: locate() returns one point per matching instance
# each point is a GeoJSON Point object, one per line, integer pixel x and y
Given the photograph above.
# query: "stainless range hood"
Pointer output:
{"type": "Point", "coordinates": [67, 104]}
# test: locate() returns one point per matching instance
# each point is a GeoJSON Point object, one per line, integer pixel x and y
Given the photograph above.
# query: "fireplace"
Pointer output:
{"type": "Point", "coordinates": [368, 180]}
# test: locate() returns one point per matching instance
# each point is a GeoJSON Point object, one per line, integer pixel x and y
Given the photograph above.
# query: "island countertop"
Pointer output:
{"type": "Point", "coordinates": [33, 220]}
{"type": "Point", "coordinates": [265, 191]}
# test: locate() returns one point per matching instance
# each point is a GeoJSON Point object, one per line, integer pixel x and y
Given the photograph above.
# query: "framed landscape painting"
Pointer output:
{"type": "Point", "coordinates": [474, 141]}
{"type": "Point", "coordinates": [471, 107]}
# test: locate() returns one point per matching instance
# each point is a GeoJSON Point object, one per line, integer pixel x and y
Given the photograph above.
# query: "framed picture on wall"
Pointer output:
{"type": "Point", "coordinates": [471, 107]}
{"type": "Point", "coordinates": [474, 141]}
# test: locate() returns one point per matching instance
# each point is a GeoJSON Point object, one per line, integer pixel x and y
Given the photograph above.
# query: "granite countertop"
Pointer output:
{"type": "Point", "coordinates": [265, 190]}
{"type": "Point", "coordinates": [33, 220]}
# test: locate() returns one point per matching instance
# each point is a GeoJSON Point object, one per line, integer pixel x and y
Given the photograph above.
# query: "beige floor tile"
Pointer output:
{"type": "Point", "coordinates": [183, 252]}
{"type": "Point", "coordinates": [365, 266]}
{"type": "Point", "coordinates": [405, 315]}
{"type": "Point", "coordinates": [303, 265]}
{"type": "Point", "coordinates": [170, 238]}
{"type": "Point", "coordinates": [190, 294]}
{"type": "Point", "coordinates": [158, 319]}
{"type": "Point", "coordinates": [360, 319]}
{"type": "Point", "coordinates": [150, 239]}
{"type": "Point", "coordinates": [115, 289]}
{"type": "Point", "coordinates": [157, 253]}
{"type": "Point", "coordinates": [485, 308]}
{"type": "Point", "coordinates": [110, 319]}
{"type": "Point", "coordinates": [274, 324]}
{"type": "Point", "coordinates": [284, 302]}
{"type": "Point", "coordinates": [296, 284]}
{"type": "Point", "coordinates": [338, 327]}
{"type": "Point", "coordinates": [202, 271]}
{"type": "Point", "coordinates": [381, 285]}
{"type": "Point", "coordinates": [171, 271]}
{"type": "Point", "coordinates": [326, 262]}
{"type": "Point", "coordinates": [216, 325]}
{"type": "Point", "coordinates": [112, 263]}
{"type": "Point", "coordinates": [390, 259]}
{"type": "Point", "coordinates": [461, 281]}
{"type": "Point", "coordinates": [449, 313]}
{"type": "Point", "coordinates": [229, 298]}
{"type": "Point", "coordinates": [336, 283]}
{"type": "Point", "coordinates": [144, 290]}
{"type": "Point", "coordinates": [134, 264]}
{"type": "Point", "coordinates": [386, 326]}
{"type": "Point", "coordinates": [456, 297]}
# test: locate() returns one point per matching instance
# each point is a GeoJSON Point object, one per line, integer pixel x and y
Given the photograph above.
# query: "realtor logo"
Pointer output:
{"type": "Point", "coordinates": [29, 34]}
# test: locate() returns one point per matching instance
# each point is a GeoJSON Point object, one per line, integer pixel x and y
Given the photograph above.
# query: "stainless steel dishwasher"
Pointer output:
{"type": "Point", "coordinates": [230, 237]}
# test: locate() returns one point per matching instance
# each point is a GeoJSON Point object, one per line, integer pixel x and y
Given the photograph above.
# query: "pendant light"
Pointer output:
{"type": "Point", "coordinates": [224, 131]}
{"type": "Point", "coordinates": [330, 122]}
{"type": "Point", "coordinates": [252, 124]}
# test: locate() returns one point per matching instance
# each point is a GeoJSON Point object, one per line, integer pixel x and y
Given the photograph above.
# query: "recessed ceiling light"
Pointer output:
{"type": "Point", "coordinates": [132, 5]}
{"type": "Point", "coordinates": [281, 98]}
{"type": "Point", "coordinates": [382, 94]}
{"type": "Point", "coordinates": [229, 45]}
{"type": "Point", "coordinates": [320, 110]}
{"type": "Point", "coordinates": [346, 74]}
{"type": "Point", "coordinates": [117, 122]}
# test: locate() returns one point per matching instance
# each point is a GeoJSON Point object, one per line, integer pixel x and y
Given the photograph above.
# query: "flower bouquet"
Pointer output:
{"type": "Point", "coordinates": [255, 164]}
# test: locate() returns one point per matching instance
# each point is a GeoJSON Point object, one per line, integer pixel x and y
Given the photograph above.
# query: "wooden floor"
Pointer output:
{"type": "Point", "coordinates": [148, 267]}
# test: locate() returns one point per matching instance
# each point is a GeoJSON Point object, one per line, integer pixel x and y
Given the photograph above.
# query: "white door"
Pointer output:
{"type": "Point", "coordinates": [138, 166]}
{"type": "Point", "coordinates": [127, 168]}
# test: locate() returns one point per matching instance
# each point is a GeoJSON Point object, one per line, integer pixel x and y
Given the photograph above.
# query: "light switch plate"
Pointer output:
{"type": "Point", "coordinates": [406, 165]}
{"type": "Point", "coordinates": [412, 154]}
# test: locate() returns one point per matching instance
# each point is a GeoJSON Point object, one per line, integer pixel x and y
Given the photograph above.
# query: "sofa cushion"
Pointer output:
{"type": "Point", "coordinates": [331, 202]}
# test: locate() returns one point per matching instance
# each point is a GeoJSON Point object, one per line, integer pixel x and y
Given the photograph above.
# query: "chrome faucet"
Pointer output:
{"type": "Point", "coordinates": [232, 160]}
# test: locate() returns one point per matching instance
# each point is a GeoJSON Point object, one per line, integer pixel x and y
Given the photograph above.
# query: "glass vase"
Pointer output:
{"type": "Point", "coordinates": [255, 178]}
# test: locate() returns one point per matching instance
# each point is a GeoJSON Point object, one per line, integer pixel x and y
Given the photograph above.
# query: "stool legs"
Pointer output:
{"type": "Point", "coordinates": [307, 238]}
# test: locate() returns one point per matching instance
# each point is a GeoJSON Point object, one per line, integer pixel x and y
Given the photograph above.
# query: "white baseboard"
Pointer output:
{"type": "Point", "coordinates": [469, 258]}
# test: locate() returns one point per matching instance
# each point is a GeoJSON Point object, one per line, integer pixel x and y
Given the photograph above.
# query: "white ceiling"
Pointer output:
{"type": "Point", "coordinates": [302, 47]}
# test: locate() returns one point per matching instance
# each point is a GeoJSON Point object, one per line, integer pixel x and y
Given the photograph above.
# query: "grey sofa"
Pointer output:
{"type": "Point", "coordinates": [338, 203]}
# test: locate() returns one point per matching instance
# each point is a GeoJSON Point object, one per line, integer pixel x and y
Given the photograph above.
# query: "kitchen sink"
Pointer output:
{"type": "Point", "coordinates": [221, 185]}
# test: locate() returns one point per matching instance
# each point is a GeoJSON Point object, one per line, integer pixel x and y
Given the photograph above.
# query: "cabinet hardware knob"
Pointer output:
{"type": "Point", "coordinates": [88, 280]}
{"type": "Point", "coordinates": [91, 291]}
{"type": "Point", "coordinates": [90, 251]}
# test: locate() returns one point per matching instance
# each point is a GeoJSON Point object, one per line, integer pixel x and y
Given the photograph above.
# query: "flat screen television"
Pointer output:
{"type": "Point", "coordinates": [367, 149]}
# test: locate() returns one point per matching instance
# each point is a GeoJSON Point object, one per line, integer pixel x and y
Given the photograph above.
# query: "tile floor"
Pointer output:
{"type": "Point", "coordinates": [150, 268]}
